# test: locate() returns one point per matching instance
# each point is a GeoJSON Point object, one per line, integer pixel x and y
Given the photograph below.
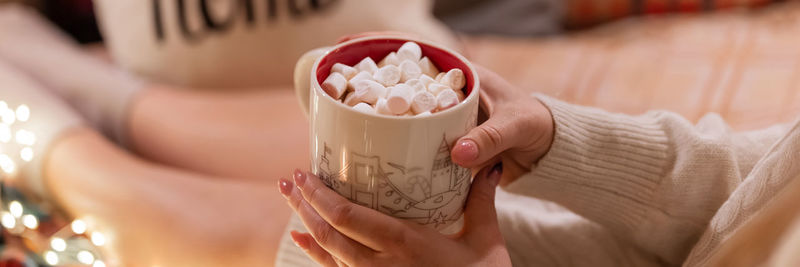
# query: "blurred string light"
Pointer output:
{"type": "Point", "coordinates": [78, 227]}
{"type": "Point", "coordinates": [23, 113]}
{"type": "Point", "coordinates": [26, 154]}
{"type": "Point", "coordinates": [85, 257]}
{"type": "Point", "coordinates": [51, 257]}
{"type": "Point", "coordinates": [72, 245]}
{"type": "Point", "coordinates": [98, 239]}
{"type": "Point", "coordinates": [8, 220]}
{"type": "Point", "coordinates": [15, 208]}
{"type": "Point", "coordinates": [7, 116]}
{"type": "Point", "coordinates": [6, 164]}
{"type": "Point", "coordinates": [30, 221]}
{"type": "Point", "coordinates": [5, 133]}
{"type": "Point", "coordinates": [25, 137]}
{"type": "Point", "coordinates": [58, 244]}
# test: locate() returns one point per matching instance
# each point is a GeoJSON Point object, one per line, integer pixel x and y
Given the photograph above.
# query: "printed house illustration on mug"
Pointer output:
{"type": "Point", "coordinates": [398, 190]}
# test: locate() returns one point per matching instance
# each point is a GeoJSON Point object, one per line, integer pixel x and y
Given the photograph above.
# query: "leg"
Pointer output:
{"type": "Point", "coordinates": [157, 215]}
{"type": "Point", "coordinates": [253, 134]}
{"type": "Point", "coordinates": [242, 135]}
{"type": "Point", "coordinates": [151, 214]}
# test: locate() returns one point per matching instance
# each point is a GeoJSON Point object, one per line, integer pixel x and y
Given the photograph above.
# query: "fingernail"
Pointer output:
{"type": "Point", "coordinates": [466, 150]}
{"type": "Point", "coordinates": [285, 186]}
{"type": "Point", "coordinates": [299, 178]}
{"type": "Point", "coordinates": [495, 173]}
{"type": "Point", "coordinates": [297, 239]}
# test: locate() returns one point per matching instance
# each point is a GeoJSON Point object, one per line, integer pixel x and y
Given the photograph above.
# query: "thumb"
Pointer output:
{"type": "Point", "coordinates": [480, 217]}
{"type": "Point", "coordinates": [486, 141]}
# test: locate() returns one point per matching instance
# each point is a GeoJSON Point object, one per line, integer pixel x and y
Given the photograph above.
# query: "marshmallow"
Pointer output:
{"type": "Point", "coordinates": [351, 99]}
{"type": "Point", "coordinates": [446, 99]}
{"type": "Point", "coordinates": [409, 70]}
{"type": "Point", "coordinates": [387, 92]}
{"type": "Point", "coordinates": [390, 59]}
{"type": "Point", "coordinates": [423, 102]}
{"type": "Point", "coordinates": [460, 95]}
{"type": "Point", "coordinates": [367, 64]}
{"type": "Point", "coordinates": [426, 80]}
{"type": "Point", "coordinates": [369, 91]}
{"type": "Point", "coordinates": [361, 76]}
{"type": "Point", "coordinates": [454, 78]}
{"type": "Point", "coordinates": [436, 88]}
{"type": "Point", "coordinates": [381, 107]}
{"type": "Point", "coordinates": [335, 85]}
{"type": "Point", "coordinates": [410, 51]}
{"type": "Point", "coordinates": [399, 99]}
{"type": "Point", "coordinates": [439, 77]}
{"type": "Point", "coordinates": [347, 71]}
{"type": "Point", "coordinates": [387, 75]}
{"type": "Point", "coordinates": [364, 107]}
{"type": "Point", "coordinates": [401, 85]}
{"type": "Point", "coordinates": [416, 85]}
{"type": "Point", "coordinates": [427, 67]}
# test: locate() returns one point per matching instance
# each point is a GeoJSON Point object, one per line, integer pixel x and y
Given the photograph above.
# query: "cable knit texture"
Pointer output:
{"type": "Point", "coordinates": [654, 180]}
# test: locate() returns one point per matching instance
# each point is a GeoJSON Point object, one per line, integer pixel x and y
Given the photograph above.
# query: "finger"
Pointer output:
{"type": "Point", "coordinates": [310, 246]}
{"type": "Point", "coordinates": [503, 129]}
{"type": "Point", "coordinates": [364, 225]}
{"type": "Point", "coordinates": [327, 237]}
{"type": "Point", "coordinates": [480, 216]}
{"type": "Point", "coordinates": [494, 87]}
{"type": "Point", "coordinates": [484, 142]}
{"type": "Point", "coordinates": [374, 33]}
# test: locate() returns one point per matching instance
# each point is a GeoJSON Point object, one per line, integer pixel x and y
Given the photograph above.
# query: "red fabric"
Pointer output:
{"type": "Point", "coordinates": [582, 13]}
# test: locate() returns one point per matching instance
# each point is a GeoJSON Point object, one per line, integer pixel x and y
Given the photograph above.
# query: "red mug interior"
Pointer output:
{"type": "Point", "coordinates": [377, 49]}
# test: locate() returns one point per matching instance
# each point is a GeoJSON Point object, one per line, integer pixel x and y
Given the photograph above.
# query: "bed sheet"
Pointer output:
{"type": "Point", "coordinates": [744, 65]}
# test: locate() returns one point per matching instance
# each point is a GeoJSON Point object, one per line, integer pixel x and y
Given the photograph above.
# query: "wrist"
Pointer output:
{"type": "Point", "coordinates": [547, 123]}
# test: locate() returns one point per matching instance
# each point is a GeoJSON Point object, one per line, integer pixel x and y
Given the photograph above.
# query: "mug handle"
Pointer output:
{"type": "Point", "coordinates": [302, 75]}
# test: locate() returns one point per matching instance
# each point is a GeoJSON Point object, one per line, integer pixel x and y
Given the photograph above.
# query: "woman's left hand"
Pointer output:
{"type": "Point", "coordinates": [345, 233]}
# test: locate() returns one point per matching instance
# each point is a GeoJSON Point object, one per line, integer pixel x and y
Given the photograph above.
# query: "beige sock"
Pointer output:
{"type": "Point", "coordinates": [98, 90]}
{"type": "Point", "coordinates": [31, 120]}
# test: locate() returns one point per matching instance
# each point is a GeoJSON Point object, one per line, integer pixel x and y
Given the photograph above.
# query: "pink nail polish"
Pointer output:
{"type": "Point", "coordinates": [285, 187]}
{"type": "Point", "coordinates": [466, 150]}
{"type": "Point", "coordinates": [299, 178]}
{"type": "Point", "coordinates": [297, 239]}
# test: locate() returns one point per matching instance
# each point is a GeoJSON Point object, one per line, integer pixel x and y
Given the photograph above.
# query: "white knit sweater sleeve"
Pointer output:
{"type": "Point", "coordinates": [654, 179]}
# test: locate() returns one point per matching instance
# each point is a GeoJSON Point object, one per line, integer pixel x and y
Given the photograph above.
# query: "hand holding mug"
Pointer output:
{"type": "Point", "coordinates": [519, 130]}
{"type": "Point", "coordinates": [343, 233]}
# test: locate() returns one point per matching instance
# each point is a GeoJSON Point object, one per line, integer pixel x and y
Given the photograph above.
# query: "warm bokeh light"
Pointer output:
{"type": "Point", "coordinates": [23, 113]}
{"type": "Point", "coordinates": [8, 220]}
{"type": "Point", "coordinates": [30, 221]}
{"type": "Point", "coordinates": [85, 257]}
{"type": "Point", "coordinates": [15, 208]}
{"type": "Point", "coordinates": [26, 154]}
{"type": "Point", "coordinates": [58, 244]}
{"type": "Point", "coordinates": [98, 239]}
{"type": "Point", "coordinates": [78, 227]}
{"type": "Point", "coordinates": [51, 257]}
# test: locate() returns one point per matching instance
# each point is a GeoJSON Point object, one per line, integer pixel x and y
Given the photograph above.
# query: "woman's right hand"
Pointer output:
{"type": "Point", "coordinates": [519, 130]}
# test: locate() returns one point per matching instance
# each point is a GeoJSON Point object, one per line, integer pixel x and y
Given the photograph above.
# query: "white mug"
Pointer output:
{"type": "Point", "coordinates": [397, 165]}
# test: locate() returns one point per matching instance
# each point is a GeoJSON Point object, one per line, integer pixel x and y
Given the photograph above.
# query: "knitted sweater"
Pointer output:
{"type": "Point", "coordinates": [648, 190]}
{"type": "Point", "coordinates": [651, 189]}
